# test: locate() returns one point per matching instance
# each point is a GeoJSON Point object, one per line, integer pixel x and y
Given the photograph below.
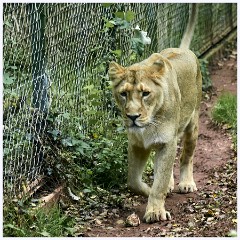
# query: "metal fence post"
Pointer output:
{"type": "Point", "coordinates": [39, 59]}
{"type": "Point", "coordinates": [40, 81]}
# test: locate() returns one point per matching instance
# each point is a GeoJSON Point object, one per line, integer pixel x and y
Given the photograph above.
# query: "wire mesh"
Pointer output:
{"type": "Point", "coordinates": [56, 57]}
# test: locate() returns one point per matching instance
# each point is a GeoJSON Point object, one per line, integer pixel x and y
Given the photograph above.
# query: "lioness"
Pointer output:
{"type": "Point", "coordinates": [159, 99]}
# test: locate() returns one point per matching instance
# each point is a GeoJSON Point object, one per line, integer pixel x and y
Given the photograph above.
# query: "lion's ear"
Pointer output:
{"type": "Point", "coordinates": [115, 70]}
{"type": "Point", "coordinates": [158, 65]}
{"type": "Point", "coordinates": [116, 73]}
{"type": "Point", "coordinates": [157, 70]}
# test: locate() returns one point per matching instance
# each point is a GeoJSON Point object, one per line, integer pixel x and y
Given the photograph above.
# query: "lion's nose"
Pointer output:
{"type": "Point", "coordinates": [133, 117]}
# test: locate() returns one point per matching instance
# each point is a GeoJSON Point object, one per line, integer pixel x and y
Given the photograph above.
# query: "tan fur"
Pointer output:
{"type": "Point", "coordinates": [159, 99]}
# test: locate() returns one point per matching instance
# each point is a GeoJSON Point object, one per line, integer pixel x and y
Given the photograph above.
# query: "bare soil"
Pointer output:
{"type": "Point", "coordinates": [212, 210]}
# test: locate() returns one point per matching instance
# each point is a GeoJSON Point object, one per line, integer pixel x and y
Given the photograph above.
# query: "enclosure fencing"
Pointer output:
{"type": "Point", "coordinates": [56, 59]}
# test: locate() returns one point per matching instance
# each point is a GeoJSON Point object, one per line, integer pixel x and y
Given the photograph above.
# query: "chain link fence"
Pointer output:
{"type": "Point", "coordinates": [56, 59]}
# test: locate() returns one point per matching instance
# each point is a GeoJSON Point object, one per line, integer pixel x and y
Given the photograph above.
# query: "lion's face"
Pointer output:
{"type": "Point", "coordinates": [138, 93]}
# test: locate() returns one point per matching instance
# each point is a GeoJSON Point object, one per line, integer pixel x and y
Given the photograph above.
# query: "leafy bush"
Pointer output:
{"type": "Point", "coordinates": [84, 161]}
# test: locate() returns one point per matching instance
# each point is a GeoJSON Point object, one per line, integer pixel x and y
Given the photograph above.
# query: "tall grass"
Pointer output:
{"type": "Point", "coordinates": [225, 112]}
{"type": "Point", "coordinates": [22, 221]}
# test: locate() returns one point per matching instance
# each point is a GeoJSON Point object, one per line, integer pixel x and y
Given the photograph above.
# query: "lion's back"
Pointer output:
{"type": "Point", "coordinates": [189, 78]}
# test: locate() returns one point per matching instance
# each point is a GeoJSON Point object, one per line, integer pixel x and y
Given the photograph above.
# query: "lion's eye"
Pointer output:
{"type": "Point", "coordinates": [145, 94]}
{"type": "Point", "coordinates": [123, 94]}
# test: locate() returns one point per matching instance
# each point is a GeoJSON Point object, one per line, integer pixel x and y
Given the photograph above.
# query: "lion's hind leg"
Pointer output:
{"type": "Point", "coordinates": [190, 136]}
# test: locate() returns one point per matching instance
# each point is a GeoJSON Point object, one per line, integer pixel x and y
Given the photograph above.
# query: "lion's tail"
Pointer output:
{"type": "Point", "coordinates": [188, 34]}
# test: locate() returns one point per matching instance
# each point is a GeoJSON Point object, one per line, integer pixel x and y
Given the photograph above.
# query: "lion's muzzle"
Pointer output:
{"type": "Point", "coordinates": [133, 117]}
{"type": "Point", "coordinates": [133, 120]}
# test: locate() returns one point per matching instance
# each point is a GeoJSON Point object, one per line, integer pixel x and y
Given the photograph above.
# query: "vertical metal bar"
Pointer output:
{"type": "Point", "coordinates": [38, 42]}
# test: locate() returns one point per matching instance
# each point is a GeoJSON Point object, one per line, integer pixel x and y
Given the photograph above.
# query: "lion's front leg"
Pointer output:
{"type": "Point", "coordinates": [171, 182]}
{"type": "Point", "coordinates": [163, 165]}
{"type": "Point", "coordinates": [137, 158]}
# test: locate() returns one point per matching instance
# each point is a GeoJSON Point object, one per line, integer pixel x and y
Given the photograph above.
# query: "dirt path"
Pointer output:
{"type": "Point", "coordinates": [211, 211]}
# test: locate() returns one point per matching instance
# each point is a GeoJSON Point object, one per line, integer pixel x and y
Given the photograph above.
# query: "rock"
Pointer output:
{"type": "Point", "coordinates": [96, 213]}
{"type": "Point", "coordinates": [114, 211]}
{"type": "Point", "coordinates": [132, 220]}
{"type": "Point", "coordinates": [98, 222]}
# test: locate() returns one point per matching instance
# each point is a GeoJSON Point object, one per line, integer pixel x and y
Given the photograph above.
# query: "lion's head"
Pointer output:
{"type": "Point", "coordinates": [139, 91]}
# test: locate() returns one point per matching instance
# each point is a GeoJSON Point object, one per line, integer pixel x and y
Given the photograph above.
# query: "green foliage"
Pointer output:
{"type": "Point", "coordinates": [106, 4]}
{"type": "Point", "coordinates": [110, 162]}
{"type": "Point", "coordinates": [122, 22]}
{"type": "Point", "coordinates": [14, 71]}
{"type": "Point", "coordinates": [88, 160]}
{"type": "Point", "coordinates": [13, 55]}
{"type": "Point", "coordinates": [225, 112]}
{"type": "Point", "coordinates": [22, 221]}
{"type": "Point", "coordinates": [137, 46]}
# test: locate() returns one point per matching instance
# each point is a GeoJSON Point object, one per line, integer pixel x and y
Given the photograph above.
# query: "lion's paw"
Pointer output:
{"type": "Point", "coordinates": [187, 186]}
{"type": "Point", "coordinates": [156, 215]}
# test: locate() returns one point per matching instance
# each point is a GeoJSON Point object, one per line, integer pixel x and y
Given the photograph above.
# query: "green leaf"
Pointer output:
{"type": "Point", "coordinates": [8, 24]}
{"type": "Point", "coordinates": [109, 24]}
{"type": "Point", "coordinates": [6, 151]}
{"type": "Point", "coordinates": [66, 115]}
{"type": "Point", "coordinates": [80, 150]}
{"type": "Point", "coordinates": [54, 133]}
{"type": "Point", "coordinates": [96, 49]}
{"type": "Point", "coordinates": [86, 190]}
{"type": "Point", "coordinates": [70, 230]}
{"type": "Point", "coordinates": [89, 87]}
{"type": "Point", "coordinates": [13, 67]}
{"type": "Point", "coordinates": [91, 112]}
{"type": "Point", "coordinates": [10, 226]}
{"type": "Point", "coordinates": [124, 25]}
{"type": "Point", "coordinates": [13, 227]}
{"type": "Point", "coordinates": [106, 5]}
{"type": "Point", "coordinates": [119, 15]}
{"type": "Point", "coordinates": [117, 52]}
{"type": "Point", "coordinates": [67, 142]}
{"type": "Point", "coordinates": [129, 16]}
{"type": "Point", "coordinates": [84, 145]}
{"type": "Point", "coordinates": [45, 234]}
{"type": "Point", "coordinates": [137, 46]}
{"type": "Point", "coordinates": [81, 147]}
{"type": "Point", "coordinates": [105, 19]}
{"type": "Point", "coordinates": [7, 79]}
